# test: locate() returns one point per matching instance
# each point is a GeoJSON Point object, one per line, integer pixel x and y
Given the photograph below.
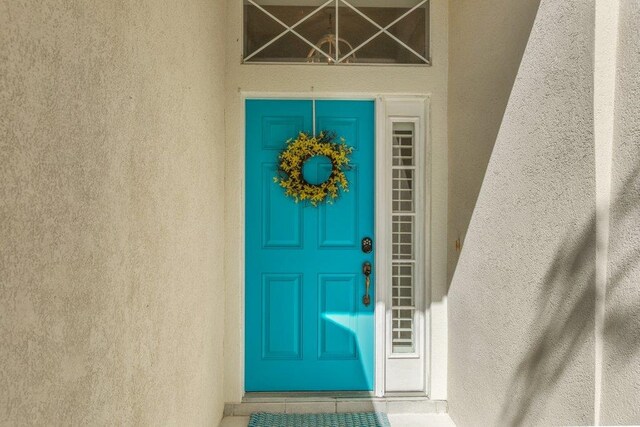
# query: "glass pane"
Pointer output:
{"type": "Point", "coordinates": [403, 309]}
{"type": "Point", "coordinates": [318, 25]}
{"type": "Point", "coordinates": [402, 238]}
{"type": "Point", "coordinates": [412, 31]}
{"type": "Point", "coordinates": [259, 29]}
{"type": "Point", "coordinates": [288, 48]}
{"type": "Point", "coordinates": [383, 49]}
{"type": "Point", "coordinates": [306, 19]}
{"type": "Point", "coordinates": [402, 190]}
{"type": "Point", "coordinates": [351, 29]}
{"type": "Point", "coordinates": [403, 139]}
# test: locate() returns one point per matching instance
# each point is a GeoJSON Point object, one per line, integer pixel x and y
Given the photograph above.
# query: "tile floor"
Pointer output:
{"type": "Point", "coordinates": [397, 420]}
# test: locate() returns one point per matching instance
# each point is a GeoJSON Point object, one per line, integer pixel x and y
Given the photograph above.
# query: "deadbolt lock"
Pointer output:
{"type": "Point", "coordinates": [367, 245]}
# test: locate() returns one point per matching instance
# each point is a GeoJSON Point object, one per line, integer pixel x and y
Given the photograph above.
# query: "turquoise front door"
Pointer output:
{"type": "Point", "coordinates": [307, 328]}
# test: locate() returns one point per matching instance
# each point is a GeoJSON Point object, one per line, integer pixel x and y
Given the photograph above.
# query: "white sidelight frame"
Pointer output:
{"type": "Point", "coordinates": [389, 108]}
{"type": "Point", "coordinates": [407, 372]}
{"type": "Point", "coordinates": [338, 59]}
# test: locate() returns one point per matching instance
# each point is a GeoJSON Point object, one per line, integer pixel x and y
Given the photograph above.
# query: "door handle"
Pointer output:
{"type": "Point", "coordinates": [366, 270]}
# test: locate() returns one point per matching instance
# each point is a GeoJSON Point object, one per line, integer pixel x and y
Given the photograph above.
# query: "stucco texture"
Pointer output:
{"type": "Point", "coordinates": [521, 302]}
{"type": "Point", "coordinates": [111, 213]}
{"type": "Point", "coordinates": [486, 43]}
{"type": "Point", "coordinates": [621, 367]}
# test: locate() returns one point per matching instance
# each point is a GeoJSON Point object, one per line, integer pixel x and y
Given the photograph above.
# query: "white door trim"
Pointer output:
{"type": "Point", "coordinates": [382, 231]}
{"type": "Point", "coordinates": [408, 372]}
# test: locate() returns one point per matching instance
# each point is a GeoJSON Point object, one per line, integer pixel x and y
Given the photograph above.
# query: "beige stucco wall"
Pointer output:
{"type": "Point", "coordinates": [521, 302]}
{"type": "Point", "coordinates": [621, 356]}
{"type": "Point", "coordinates": [341, 82]}
{"type": "Point", "coordinates": [486, 43]}
{"type": "Point", "coordinates": [111, 182]}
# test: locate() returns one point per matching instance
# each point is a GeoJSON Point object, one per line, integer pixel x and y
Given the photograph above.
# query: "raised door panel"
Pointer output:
{"type": "Point", "coordinates": [281, 316]}
{"type": "Point", "coordinates": [344, 127]}
{"type": "Point", "coordinates": [338, 323]}
{"type": "Point", "coordinates": [338, 222]}
{"type": "Point", "coordinates": [278, 129]}
{"type": "Point", "coordinates": [281, 220]}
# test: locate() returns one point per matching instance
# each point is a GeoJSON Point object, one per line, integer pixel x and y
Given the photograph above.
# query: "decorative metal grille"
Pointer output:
{"type": "Point", "coordinates": [336, 31]}
{"type": "Point", "coordinates": [403, 239]}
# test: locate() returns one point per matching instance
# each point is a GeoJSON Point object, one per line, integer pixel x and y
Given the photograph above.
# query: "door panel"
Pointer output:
{"type": "Point", "coordinates": [281, 221]}
{"type": "Point", "coordinates": [339, 223]}
{"type": "Point", "coordinates": [281, 316]}
{"type": "Point", "coordinates": [307, 328]}
{"type": "Point", "coordinates": [337, 294]}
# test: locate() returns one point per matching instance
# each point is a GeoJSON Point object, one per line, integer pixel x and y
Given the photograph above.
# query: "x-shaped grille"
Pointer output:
{"type": "Point", "coordinates": [335, 56]}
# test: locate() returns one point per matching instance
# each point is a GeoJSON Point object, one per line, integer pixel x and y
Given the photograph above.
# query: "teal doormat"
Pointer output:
{"type": "Point", "coordinates": [351, 419]}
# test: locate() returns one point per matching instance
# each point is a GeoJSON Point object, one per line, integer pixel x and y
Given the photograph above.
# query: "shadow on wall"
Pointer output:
{"type": "Point", "coordinates": [564, 323]}
{"type": "Point", "coordinates": [618, 332]}
{"type": "Point", "coordinates": [487, 41]}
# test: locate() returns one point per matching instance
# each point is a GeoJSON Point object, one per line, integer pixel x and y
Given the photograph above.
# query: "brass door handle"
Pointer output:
{"type": "Point", "coordinates": [366, 270]}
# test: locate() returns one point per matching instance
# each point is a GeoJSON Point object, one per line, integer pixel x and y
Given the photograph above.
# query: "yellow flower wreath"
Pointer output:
{"type": "Point", "coordinates": [300, 150]}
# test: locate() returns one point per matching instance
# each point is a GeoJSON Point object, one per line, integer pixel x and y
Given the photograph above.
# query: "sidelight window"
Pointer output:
{"type": "Point", "coordinates": [407, 258]}
{"type": "Point", "coordinates": [403, 238]}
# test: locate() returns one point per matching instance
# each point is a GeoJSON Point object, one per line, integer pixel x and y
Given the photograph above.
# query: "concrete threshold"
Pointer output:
{"type": "Point", "coordinates": [334, 402]}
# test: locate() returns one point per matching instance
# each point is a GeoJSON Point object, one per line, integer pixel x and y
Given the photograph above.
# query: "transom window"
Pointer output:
{"type": "Point", "coordinates": [336, 31]}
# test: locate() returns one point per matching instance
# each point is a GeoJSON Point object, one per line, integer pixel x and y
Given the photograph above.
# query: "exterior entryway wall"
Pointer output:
{"type": "Point", "coordinates": [343, 82]}
{"type": "Point", "coordinates": [543, 320]}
